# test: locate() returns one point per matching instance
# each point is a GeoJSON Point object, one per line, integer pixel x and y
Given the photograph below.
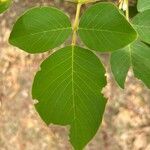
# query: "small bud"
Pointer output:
{"type": "Point", "coordinates": [125, 6]}
{"type": "Point", "coordinates": [120, 4]}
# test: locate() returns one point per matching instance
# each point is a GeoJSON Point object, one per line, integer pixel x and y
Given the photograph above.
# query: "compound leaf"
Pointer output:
{"type": "Point", "coordinates": [4, 4]}
{"type": "Point", "coordinates": [141, 23]}
{"type": "Point", "coordinates": [103, 28]}
{"type": "Point", "coordinates": [143, 5]}
{"type": "Point", "coordinates": [136, 56]}
{"type": "Point", "coordinates": [40, 29]}
{"type": "Point", "coordinates": [68, 88]}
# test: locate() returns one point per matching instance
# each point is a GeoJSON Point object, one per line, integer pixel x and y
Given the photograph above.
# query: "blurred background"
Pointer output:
{"type": "Point", "coordinates": [126, 122]}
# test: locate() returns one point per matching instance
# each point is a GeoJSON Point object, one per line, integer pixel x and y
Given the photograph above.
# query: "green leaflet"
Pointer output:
{"type": "Point", "coordinates": [143, 5]}
{"type": "Point", "coordinates": [4, 4]}
{"type": "Point", "coordinates": [141, 23]}
{"type": "Point", "coordinates": [120, 64]}
{"type": "Point", "coordinates": [103, 28]}
{"type": "Point", "coordinates": [136, 56]}
{"type": "Point", "coordinates": [68, 88]}
{"type": "Point", "coordinates": [40, 29]}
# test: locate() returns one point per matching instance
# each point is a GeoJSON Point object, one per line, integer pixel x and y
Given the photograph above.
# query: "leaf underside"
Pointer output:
{"type": "Point", "coordinates": [68, 88]}
{"type": "Point", "coordinates": [40, 29]}
{"type": "Point", "coordinates": [103, 28]}
{"type": "Point", "coordinates": [143, 5]}
{"type": "Point", "coordinates": [141, 23]}
{"type": "Point", "coordinates": [136, 56]}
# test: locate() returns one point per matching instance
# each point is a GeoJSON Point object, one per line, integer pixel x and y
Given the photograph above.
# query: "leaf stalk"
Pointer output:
{"type": "Point", "coordinates": [75, 24]}
{"type": "Point", "coordinates": [127, 9]}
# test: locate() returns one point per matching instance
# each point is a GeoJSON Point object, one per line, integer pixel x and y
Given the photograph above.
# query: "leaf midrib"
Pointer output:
{"type": "Point", "coordinates": [130, 55]}
{"type": "Point", "coordinates": [103, 30]}
{"type": "Point", "coordinates": [46, 31]}
{"type": "Point", "coordinates": [72, 78]}
{"type": "Point", "coordinates": [141, 26]}
{"type": "Point", "coordinates": [73, 92]}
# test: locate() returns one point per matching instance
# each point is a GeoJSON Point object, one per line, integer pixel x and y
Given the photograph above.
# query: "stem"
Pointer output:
{"type": "Point", "coordinates": [75, 25]}
{"type": "Point", "coordinates": [120, 4]}
{"type": "Point", "coordinates": [127, 9]}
